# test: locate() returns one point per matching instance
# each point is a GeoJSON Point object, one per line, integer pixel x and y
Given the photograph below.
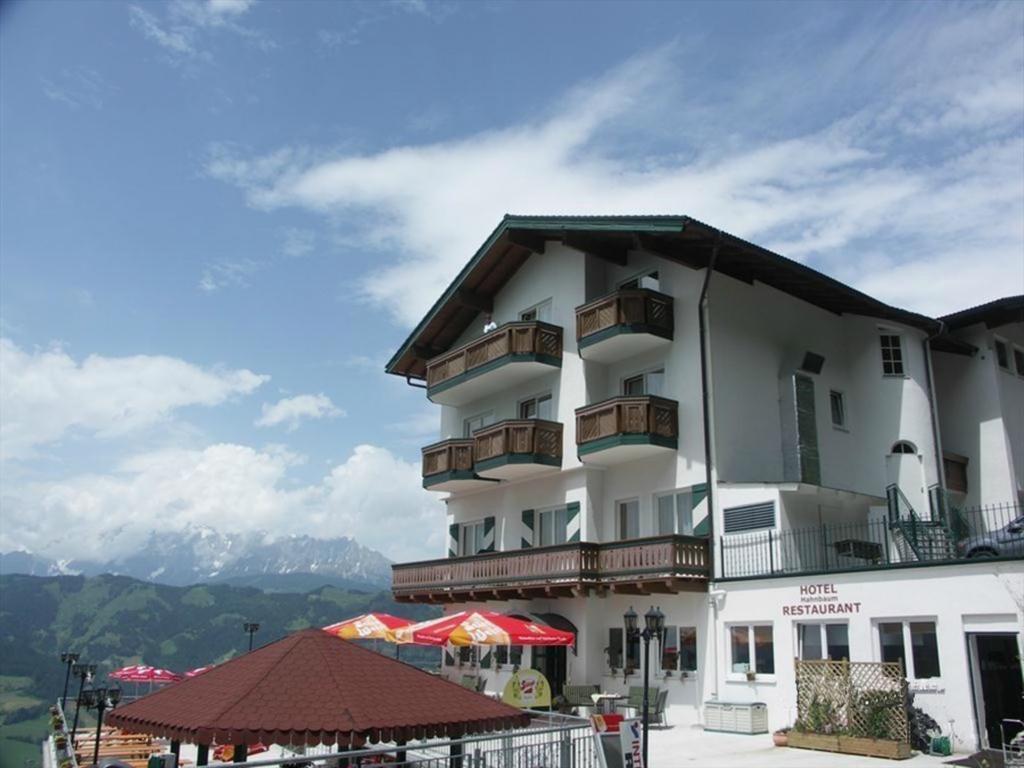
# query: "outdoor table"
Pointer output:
{"type": "Point", "coordinates": [605, 702]}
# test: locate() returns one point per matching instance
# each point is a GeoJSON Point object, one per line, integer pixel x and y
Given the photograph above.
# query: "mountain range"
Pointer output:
{"type": "Point", "coordinates": [203, 555]}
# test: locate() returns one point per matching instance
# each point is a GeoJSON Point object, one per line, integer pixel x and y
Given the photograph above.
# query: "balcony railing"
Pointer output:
{"type": "Point", "coordinates": [661, 563]}
{"type": "Point", "coordinates": [523, 437]}
{"type": "Point", "coordinates": [628, 310]}
{"type": "Point", "coordinates": [655, 419]}
{"type": "Point", "coordinates": [966, 536]}
{"type": "Point", "coordinates": [536, 341]}
{"type": "Point", "coordinates": [448, 456]}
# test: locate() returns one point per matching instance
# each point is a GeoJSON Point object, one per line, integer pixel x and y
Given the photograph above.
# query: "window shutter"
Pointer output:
{"type": "Point", "coordinates": [488, 535]}
{"type": "Point", "coordinates": [453, 540]}
{"type": "Point", "coordinates": [485, 658]}
{"type": "Point", "coordinates": [807, 431]}
{"type": "Point", "coordinates": [700, 514]}
{"type": "Point", "coordinates": [527, 539]}
{"type": "Point", "coordinates": [572, 522]}
{"type": "Point", "coordinates": [750, 517]}
{"type": "Point", "coordinates": [449, 659]}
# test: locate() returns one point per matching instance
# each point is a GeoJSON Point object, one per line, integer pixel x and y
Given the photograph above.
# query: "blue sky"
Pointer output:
{"type": "Point", "coordinates": [218, 218]}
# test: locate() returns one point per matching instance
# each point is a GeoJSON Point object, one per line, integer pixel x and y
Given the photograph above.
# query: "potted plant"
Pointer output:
{"type": "Point", "coordinates": [781, 737]}
{"type": "Point", "coordinates": [61, 741]}
{"type": "Point", "coordinates": [751, 675]}
{"type": "Point", "coordinates": [683, 674]}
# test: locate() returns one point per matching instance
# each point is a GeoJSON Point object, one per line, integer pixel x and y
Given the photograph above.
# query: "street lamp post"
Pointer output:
{"type": "Point", "coordinates": [83, 672]}
{"type": "Point", "coordinates": [252, 628]}
{"type": "Point", "coordinates": [654, 627]}
{"type": "Point", "coordinates": [100, 699]}
{"type": "Point", "coordinates": [69, 659]}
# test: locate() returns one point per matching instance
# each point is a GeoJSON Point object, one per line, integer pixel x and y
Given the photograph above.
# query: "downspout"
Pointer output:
{"type": "Point", "coordinates": [709, 452]}
{"type": "Point", "coordinates": [933, 408]}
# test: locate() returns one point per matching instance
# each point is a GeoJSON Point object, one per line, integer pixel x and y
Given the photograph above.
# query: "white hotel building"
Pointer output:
{"type": "Point", "coordinates": [667, 415]}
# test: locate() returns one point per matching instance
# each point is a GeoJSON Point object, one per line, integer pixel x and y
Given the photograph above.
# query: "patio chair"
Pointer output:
{"type": "Point", "coordinates": [579, 695]}
{"type": "Point", "coordinates": [636, 698]}
{"type": "Point", "coordinates": [656, 708]}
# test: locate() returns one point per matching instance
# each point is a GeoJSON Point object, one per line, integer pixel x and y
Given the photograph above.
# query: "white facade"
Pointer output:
{"type": "Point", "coordinates": [869, 425]}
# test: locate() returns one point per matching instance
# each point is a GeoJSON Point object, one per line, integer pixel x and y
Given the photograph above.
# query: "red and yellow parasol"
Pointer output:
{"type": "Point", "coordinates": [481, 628]}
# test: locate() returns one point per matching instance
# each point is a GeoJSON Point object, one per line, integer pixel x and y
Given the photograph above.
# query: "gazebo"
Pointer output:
{"type": "Point", "coordinates": [313, 688]}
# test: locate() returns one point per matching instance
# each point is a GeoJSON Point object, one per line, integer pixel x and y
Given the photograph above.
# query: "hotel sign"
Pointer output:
{"type": "Point", "coordinates": [820, 600]}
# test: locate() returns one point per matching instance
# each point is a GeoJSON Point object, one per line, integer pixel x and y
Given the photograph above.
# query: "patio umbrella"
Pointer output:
{"type": "Point", "coordinates": [368, 626]}
{"type": "Point", "coordinates": [199, 670]}
{"type": "Point", "coordinates": [143, 673]}
{"type": "Point", "coordinates": [481, 628]}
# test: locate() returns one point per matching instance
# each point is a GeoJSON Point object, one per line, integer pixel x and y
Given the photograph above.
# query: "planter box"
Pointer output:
{"type": "Point", "coordinates": [850, 745]}
{"type": "Point", "coordinates": [817, 741]}
{"type": "Point", "coordinates": [894, 750]}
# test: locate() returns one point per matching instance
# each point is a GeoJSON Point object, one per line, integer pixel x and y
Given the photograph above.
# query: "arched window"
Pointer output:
{"type": "Point", "coordinates": [904, 447]}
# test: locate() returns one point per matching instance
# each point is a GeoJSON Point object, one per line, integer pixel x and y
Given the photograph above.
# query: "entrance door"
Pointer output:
{"type": "Point", "coordinates": [551, 662]}
{"type": "Point", "coordinates": [998, 688]}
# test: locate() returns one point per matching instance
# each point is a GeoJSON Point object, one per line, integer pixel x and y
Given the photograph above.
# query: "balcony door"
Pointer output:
{"type": "Point", "coordinates": [538, 407]}
{"type": "Point", "coordinates": [475, 423]}
{"type": "Point", "coordinates": [627, 520]}
{"type": "Point", "coordinates": [646, 383]}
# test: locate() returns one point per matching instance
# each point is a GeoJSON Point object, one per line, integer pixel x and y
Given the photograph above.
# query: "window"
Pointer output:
{"type": "Point", "coordinates": [955, 468]}
{"type": "Point", "coordinates": [675, 513]}
{"type": "Point", "coordinates": [1002, 354]}
{"type": "Point", "coordinates": [823, 641]}
{"type": "Point", "coordinates": [751, 517]}
{"type": "Point", "coordinates": [551, 527]}
{"type": "Point", "coordinates": [615, 642]}
{"type": "Point", "coordinates": [647, 383]}
{"type": "Point", "coordinates": [628, 519]}
{"type": "Point", "coordinates": [649, 280]}
{"type": "Point", "coordinates": [504, 654]}
{"type": "Point", "coordinates": [471, 425]}
{"type": "Point", "coordinates": [471, 538]}
{"type": "Point", "coordinates": [679, 649]}
{"type": "Point", "coordinates": [1018, 360]}
{"type": "Point", "coordinates": [753, 649]}
{"type": "Point", "coordinates": [893, 638]}
{"type": "Point", "coordinates": [541, 312]}
{"type": "Point", "coordinates": [837, 405]}
{"type": "Point", "coordinates": [538, 407]}
{"type": "Point", "coordinates": [892, 354]}
{"type": "Point", "coordinates": [904, 446]}
{"type": "Point", "coordinates": [615, 647]}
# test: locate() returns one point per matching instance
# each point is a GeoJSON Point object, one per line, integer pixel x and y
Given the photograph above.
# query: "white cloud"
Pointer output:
{"type": "Point", "coordinates": [862, 189]}
{"type": "Point", "coordinates": [298, 242]}
{"type": "Point", "coordinates": [47, 395]}
{"type": "Point", "coordinates": [291, 411]}
{"type": "Point", "coordinates": [181, 29]}
{"type": "Point", "coordinates": [372, 496]}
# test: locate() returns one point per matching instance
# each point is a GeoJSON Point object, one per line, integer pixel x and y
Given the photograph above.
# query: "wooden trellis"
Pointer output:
{"type": "Point", "coordinates": [855, 698]}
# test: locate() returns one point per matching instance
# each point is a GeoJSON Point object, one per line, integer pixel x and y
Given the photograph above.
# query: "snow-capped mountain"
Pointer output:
{"type": "Point", "coordinates": [202, 554]}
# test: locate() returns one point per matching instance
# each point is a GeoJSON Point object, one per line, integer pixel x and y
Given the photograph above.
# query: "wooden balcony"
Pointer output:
{"type": "Point", "coordinates": [448, 466]}
{"type": "Point", "coordinates": [624, 323]}
{"type": "Point", "coordinates": [661, 564]}
{"type": "Point", "coordinates": [626, 428]}
{"type": "Point", "coordinates": [503, 358]}
{"type": "Point", "coordinates": [517, 448]}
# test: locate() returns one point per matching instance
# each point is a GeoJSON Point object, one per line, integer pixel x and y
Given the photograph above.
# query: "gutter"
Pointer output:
{"type": "Point", "coordinates": [940, 468]}
{"type": "Point", "coordinates": [709, 446]}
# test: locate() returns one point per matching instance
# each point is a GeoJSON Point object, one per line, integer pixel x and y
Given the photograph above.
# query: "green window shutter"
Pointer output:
{"type": "Point", "coordinates": [572, 522]}
{"type": "Point", "coordinates": [528, 518]}
{"type": "Point", "coordinates": [453, 540]}
{"type": "Point", "coordinates": [807, 431]}
{"type": "Point", "coordinates": [449, 659]}
{"type": "Point", "coordinates": [488, 535]}
{"type": "Point", "coordinates": [485, 658]}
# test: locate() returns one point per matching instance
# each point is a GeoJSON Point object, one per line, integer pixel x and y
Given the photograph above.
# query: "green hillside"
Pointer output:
{"type": "Point", "coordinates": [114, 620]}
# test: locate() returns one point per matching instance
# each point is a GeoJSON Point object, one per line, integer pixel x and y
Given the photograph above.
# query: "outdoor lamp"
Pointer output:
{"type": "Point", "coordinates": [630, 618]}
{"type": "Point", "coordinates": [100, 699]}
{"type": "Point", "coordinates": [252, 628]}
{"type": "Point", "coordinates": [83, 672]}
{"type": "Point", "coordinates": [69, 659]}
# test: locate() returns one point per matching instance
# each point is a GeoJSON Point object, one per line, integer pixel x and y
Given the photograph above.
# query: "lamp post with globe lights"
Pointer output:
{"type": "Point", "coordinates": [654, 627]}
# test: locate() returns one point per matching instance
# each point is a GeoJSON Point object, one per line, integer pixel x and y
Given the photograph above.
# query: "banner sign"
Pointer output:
{"type": "Point", "coordinates": [527, 689]}
{"type": "Point", "coordinates": [631, 734]}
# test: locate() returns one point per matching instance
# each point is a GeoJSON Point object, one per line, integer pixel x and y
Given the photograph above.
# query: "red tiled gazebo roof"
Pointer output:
{"type": "Point", "coordinates": [312, 688]}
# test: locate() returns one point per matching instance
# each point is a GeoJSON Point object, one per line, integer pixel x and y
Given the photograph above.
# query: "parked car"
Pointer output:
{"type": "Point", "coordinates": [1007, 541]}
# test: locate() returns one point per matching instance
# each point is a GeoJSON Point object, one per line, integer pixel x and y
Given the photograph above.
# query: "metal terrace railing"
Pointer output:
{"type": "Point", "coordinates": [965, 535]}
{"type": "Point", "coordinates": [550, 741]}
